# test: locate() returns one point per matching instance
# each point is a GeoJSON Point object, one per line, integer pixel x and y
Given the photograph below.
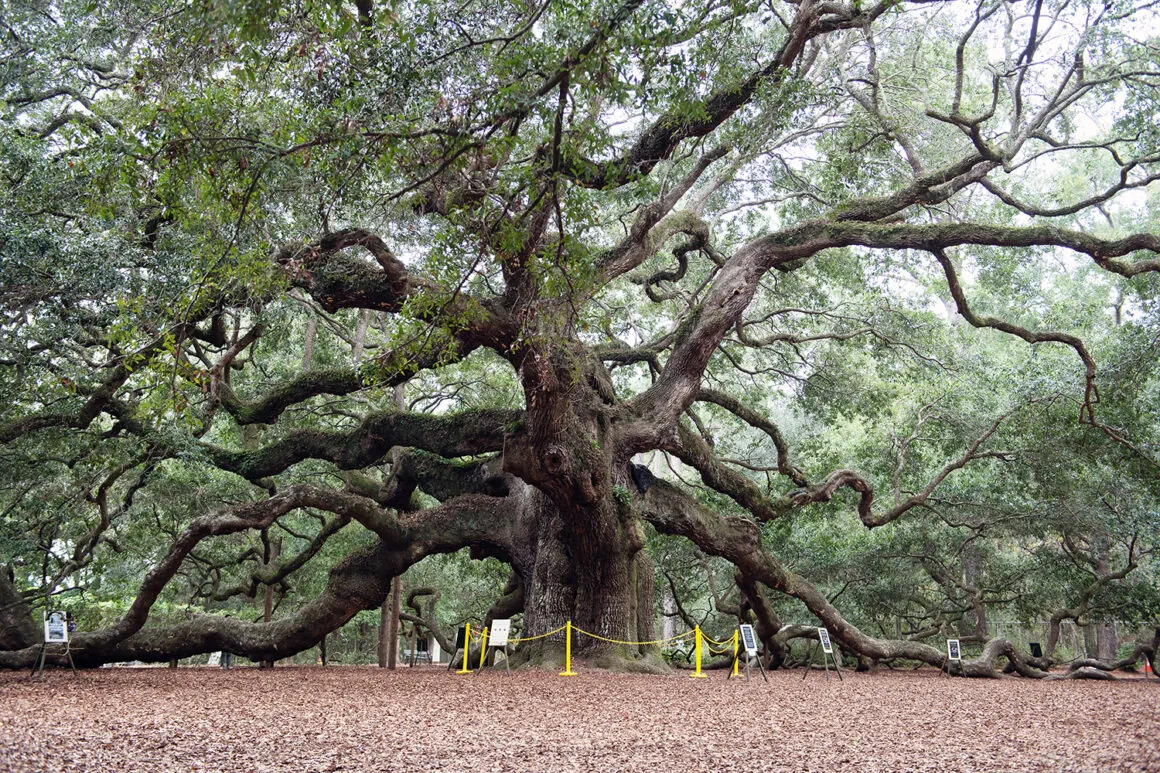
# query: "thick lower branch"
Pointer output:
{"type": "Point", "coordinates": [463, 434]}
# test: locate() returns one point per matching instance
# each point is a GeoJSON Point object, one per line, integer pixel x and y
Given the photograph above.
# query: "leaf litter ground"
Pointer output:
{"type": "Point", "coordinates": [366, 719]}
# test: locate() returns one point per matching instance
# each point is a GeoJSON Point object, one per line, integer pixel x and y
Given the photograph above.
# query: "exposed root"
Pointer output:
{"type": "Point", "coordinates": [1084, 672]}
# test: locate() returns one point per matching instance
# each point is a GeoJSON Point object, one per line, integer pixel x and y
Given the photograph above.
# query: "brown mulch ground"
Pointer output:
{"type": "Point", "coordinates": [367, 719]}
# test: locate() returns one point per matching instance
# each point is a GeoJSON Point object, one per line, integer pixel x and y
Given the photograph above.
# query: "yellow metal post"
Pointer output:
{"type": "Point", "coordinates": [466, 648]}
{"type": "Point", "coordinates": [697, 674]}
{"type": "Point", "coordinates": [736, 649]}
{"type": "Point", "coordinates": [568, 650]}
{"type": "Point", "coordinates": [483, 652]}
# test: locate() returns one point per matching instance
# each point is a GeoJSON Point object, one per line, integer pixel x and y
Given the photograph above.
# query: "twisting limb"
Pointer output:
{"type": "Point", "coordinates": [694, 451]}
{"type": "Point", "coordinates": [427, 619]}
{"type": "Point", "coordinates": [462, 434]}
{"type": "Point", "coordinates": [1091, 391]}
{"type": "Point", "coordinates": [672, 511]}
{"type": "Point", "coordinates": [97, 398]}
{"type": "Point", "coordinates": [359, 582]}
{"type": "Point", "coordinates": [277, 571]}
{"type": "Point", "coordinates": [825, 491]}
{"type": "Point", "coordinates": [663, 136]}
{"type": "Point", "coordinates": [757, 421]}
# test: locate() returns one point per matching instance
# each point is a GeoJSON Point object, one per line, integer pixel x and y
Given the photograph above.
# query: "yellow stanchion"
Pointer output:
{"type": "Point", "coordinates": [483, 649]}
{"type": "Point", "coordinates": [568, 650]}
{"type": "Point", "coordinates": [736, 649]}
{"type": "Point", "coordinates": [466, 648]}
{"type": "Point", "coordinates": [697, 646]}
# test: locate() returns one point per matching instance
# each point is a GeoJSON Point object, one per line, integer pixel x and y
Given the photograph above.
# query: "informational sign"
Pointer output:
{"type": "Point", "coordinates": [56, 628]}
{"type": "Point", "coordinates": [824, 635]}
{"type": "Point", "coordinates": [954, 652]}
{"type": "Point", "coordinates": [461, 637]}
{"type": "Point", "coordinates": [1036, 650]}
{"type": "Point", "coordinates": [749, 640]}
{"type": "Point", "coordinates": [498, 635]}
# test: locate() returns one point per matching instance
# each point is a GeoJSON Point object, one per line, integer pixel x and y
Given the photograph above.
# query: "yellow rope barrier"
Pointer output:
{"type": "Point", "coordinates": [684, 635]}
{"type": "Point", "coordinates": [477, 636]}
{"type": "Point", "coordinates": [539, 636]}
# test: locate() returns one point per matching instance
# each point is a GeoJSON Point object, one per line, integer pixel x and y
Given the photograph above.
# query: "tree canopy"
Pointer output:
{"type": "Point", "coordinates": [857, 300]}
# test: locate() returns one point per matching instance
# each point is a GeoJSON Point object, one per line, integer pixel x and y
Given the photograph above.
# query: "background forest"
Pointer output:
{"type": "Point", "coordinates": [639, 314]}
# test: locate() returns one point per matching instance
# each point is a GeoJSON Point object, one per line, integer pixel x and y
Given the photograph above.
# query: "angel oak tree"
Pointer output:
{"type": "Point", "coordinates": [598, 203]}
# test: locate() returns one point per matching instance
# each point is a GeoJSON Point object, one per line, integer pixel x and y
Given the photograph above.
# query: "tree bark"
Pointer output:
{"type": "Point", "coordinates": [17, 628]}
{"type": "Point", "coordinates": [384, 627]}
{"type": "Point", "coordinates": [393, 629]}
{"type": "Point", "coordinates": [273, 552]}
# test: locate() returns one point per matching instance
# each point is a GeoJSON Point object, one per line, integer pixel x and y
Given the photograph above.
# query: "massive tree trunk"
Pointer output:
{"type": "Point", "coordinates": [587, 572]}
{"type": "Point", "coordinates": [580, 562]}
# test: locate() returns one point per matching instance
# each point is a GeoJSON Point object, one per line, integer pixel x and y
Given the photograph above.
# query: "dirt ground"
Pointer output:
{"type": "Point", "coordinates": [366, 719]}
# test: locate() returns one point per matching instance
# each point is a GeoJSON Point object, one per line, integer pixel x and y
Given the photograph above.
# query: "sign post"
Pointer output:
{"type": "Point", "coordinates": [498, 635]}
{"type": "Point", "coordinates": [749, 644]}
{"type": "Point", "coordinates": [56, 629]}
{"type": "Point", "coordinates": [827, 655]}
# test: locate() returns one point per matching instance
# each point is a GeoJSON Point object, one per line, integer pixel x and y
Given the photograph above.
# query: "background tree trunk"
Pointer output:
{"type": "Point", "coordinates": [1090, 647]}
{"type": "Point", "coordinates": [1107, 641]}
{"type": "Point", "coordinates": [17, 628]}
{"type": "Point", "coordinates": [384, 627]}
{"type": "Point", "coordinates": [274, 550]}
{"type": "Point", "coordinates": [393, 628]}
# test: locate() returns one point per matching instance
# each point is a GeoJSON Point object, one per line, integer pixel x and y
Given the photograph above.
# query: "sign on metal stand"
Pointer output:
{"type": "Point", "coordinates": [749, 645]}
{"type": "Point", "coordinates": [954, 654]}
{"type": "Point", "coordinates": [827, 655]}
{"type": "Point", "coordinates": [56, 628]}
{"type": "Point", "coordinates": [498, 635]}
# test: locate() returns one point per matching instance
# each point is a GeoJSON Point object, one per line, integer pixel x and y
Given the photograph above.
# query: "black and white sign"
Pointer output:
{"type": "Point", "coordinates": [954, 652]}
{"type": "Point", "coordinates": [460, 637]}
{"type": "Point", "coordinates": [500, 630]}
{"type": "Point", "coordinates": [824, 635]}
{"type": "Point", "coordinates": [749, 640]}
{"type": "Point", "coordinates": [56, 628]}
{"type": "Point", "coordinates": [1036, 649]}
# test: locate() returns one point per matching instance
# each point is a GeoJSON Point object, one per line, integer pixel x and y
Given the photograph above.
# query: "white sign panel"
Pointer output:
{"type": "Point", "coordinates": [56, 628]}
{"type": "Point", "coordinates": [954, 652]}
{"type": "Point", "coordinates": [748, 640]}
{"type": "Point", "coordinates": [824, 635]}
{"type": "Point", "coordinates": [498, 635]}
